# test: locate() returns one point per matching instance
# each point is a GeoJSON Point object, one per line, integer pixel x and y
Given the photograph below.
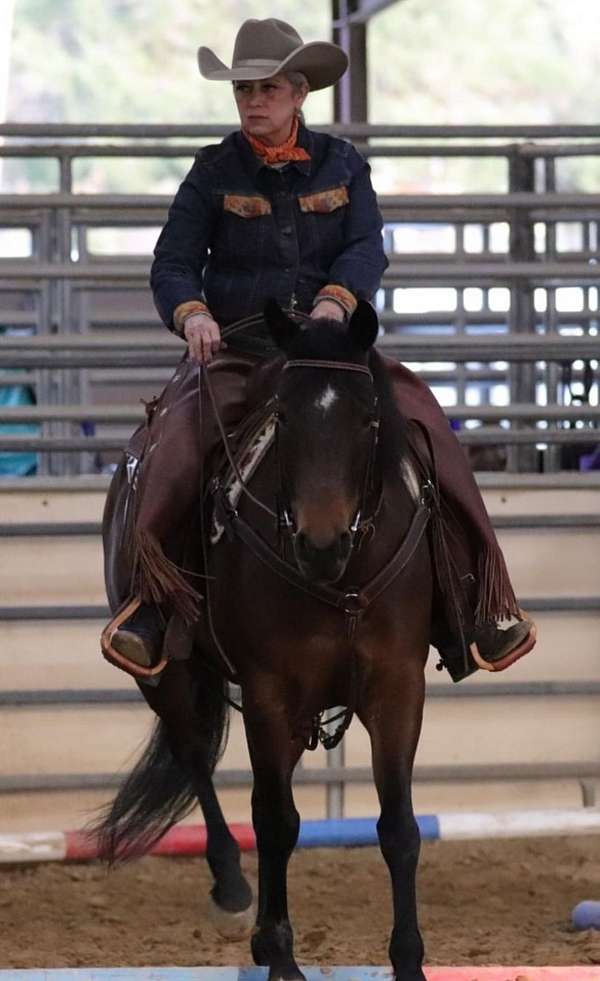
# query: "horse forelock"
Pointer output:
{"type": "Point", "coordinates": [325, 340]}
{"type": "Point", "coordinates": [328, 340]}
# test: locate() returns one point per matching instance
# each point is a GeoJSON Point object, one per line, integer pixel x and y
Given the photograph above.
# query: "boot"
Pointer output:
{"type": "Point", "coordinates": [140, 637]}
{"type": "Point", "coordinates": [493, 643]}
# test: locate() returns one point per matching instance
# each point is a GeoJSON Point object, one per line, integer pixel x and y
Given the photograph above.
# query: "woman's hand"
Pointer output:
{"type": "Point", "coordinates": [328, 309]}
{"type": "Point", "coordinates": [203, 336]}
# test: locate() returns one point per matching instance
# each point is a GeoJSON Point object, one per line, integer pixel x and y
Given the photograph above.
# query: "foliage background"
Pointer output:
{"type": "Point", "coordinates": [430, 61]}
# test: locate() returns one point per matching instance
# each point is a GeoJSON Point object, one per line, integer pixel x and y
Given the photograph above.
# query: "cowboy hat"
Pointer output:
{"type": "Point", "coordinates": [264, 48]}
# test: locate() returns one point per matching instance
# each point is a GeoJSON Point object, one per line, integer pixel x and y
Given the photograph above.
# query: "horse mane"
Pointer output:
{"type": "Point", "coordinates": [328, 340]}
{"type": "Point", "coordinates": [393, 430]}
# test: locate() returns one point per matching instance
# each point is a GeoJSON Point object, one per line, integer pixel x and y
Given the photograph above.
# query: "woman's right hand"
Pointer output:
{"type": "Point", "coordinates": [203, 336]}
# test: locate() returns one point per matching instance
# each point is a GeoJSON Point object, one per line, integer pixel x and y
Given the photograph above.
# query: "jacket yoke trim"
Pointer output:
{"type": "Point", "coordinates": [246, 205]}
{"type": "Point", "coordinates": [324, 202]}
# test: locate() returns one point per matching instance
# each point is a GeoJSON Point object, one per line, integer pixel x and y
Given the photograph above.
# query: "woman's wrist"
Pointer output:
{"type": "Point", "coordinates": [339, 295]}
{"type": "Point", "coordinates": [186, 310]}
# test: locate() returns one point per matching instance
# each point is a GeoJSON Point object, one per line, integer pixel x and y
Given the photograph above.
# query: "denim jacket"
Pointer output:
{"type": "Point", "coordinates": [239, 232]}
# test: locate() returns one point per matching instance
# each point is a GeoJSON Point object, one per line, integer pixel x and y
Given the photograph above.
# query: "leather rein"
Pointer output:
{"type": "Point", "coordinates": [352, 602]}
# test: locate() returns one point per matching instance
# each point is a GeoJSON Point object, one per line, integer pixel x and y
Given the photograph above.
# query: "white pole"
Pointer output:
{"type": "Point", "coordinates": [7, 10]}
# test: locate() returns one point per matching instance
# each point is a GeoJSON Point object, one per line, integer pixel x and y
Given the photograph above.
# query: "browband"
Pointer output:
{"type": "Point", "coordinates": [336, 365]}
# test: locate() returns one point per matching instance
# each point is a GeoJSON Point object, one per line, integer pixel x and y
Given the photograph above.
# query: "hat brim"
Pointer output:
{"type": "Point", "coordinates": [323, 64]}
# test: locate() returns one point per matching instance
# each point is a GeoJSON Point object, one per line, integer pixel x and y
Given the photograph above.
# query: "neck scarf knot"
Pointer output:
{"type": "Point", "coordinates": [284, 153]}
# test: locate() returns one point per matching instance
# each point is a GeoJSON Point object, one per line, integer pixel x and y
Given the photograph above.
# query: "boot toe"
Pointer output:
{"type": "Point", "coordinates": [134, 648]}
{"type": "Point", "coordinates": [506, 641]}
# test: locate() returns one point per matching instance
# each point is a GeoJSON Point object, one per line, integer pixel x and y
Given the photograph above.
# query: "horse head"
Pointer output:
{"type": "Point", "coordinates": [327, 420]}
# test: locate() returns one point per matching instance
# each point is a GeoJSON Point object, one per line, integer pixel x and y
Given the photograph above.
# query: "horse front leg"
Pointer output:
{"type": "Point", "coordinates": [274, 754]}
{"type": "Point", "coordinates": [392, 715]}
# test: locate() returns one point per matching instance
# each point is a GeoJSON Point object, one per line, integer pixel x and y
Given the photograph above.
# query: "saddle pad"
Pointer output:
{"type": "Point", "coordinates": [247, 460]}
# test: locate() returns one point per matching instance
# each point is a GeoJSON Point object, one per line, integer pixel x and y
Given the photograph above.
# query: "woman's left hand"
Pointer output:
{"type": "Point", "coordinates": [328, 309]}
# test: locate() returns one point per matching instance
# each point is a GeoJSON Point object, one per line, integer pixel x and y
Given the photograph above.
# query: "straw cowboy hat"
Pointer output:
{"type": "Point", "coordinates": [264, 48]}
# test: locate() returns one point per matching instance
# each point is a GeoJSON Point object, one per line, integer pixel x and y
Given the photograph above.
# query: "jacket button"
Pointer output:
{"type": "Point", "coordinates": [287, 230]}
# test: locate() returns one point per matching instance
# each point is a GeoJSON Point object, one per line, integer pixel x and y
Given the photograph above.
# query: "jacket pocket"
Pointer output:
{"type": "Point", "coordinates": [323, 202]}
{"type": "Point", "coordinates": [246, 205]}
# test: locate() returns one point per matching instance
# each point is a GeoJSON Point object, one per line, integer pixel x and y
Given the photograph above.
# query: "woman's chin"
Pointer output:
{"type": "Point", "coordinates": [259, 127]}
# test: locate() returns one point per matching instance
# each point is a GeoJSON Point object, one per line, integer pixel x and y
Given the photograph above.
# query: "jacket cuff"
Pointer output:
{"type": "Point", "coordinates": [186, 310]}
{"type": "Point", "coordinates": [338, 294]}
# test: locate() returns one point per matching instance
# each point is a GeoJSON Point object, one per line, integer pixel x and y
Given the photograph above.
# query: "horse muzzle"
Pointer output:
{"type": "Point", "coordinates": [322, 563]}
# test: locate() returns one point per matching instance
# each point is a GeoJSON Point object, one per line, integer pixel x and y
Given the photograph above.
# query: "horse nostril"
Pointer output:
{"type": "Point", "coordinates": [344, 544]}
{"type": "Point", "coordinates": [301, 545]}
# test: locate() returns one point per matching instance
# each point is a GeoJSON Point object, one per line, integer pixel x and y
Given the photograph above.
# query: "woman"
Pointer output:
{"type": "Point", "coordinates": [276, 210]}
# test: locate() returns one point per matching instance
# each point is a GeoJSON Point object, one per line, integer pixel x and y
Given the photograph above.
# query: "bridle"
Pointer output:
{"type": "Point", "coordinates": [359, 524]}
{"type": "Point", "coordinates": [352, 602]}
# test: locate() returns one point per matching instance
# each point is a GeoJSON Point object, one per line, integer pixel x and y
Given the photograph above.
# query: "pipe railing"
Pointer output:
{"type": "Point", "coordinates": [63, 287]}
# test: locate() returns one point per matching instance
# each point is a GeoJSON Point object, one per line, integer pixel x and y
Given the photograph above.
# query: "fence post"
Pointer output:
{"type": "Point", "coordinates": [521, 177]}
{"type": "Point", "coordinates": [335, 792]}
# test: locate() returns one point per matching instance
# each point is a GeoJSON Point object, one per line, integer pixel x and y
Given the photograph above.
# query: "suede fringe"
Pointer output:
{"type": "Point", "coordinates": [160, 581]}
{"type": "Point", "coordinates": [495, 596]}
{"type": "Point", "coordinates": [497, 600]}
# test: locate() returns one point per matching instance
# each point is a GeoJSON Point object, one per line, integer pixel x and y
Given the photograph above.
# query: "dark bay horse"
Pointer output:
{"type": "Point", "coordinates": [333, 608]}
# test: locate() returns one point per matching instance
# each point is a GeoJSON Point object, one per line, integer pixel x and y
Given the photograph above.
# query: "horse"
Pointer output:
{"type": "Point", "coordinates": [318, 595]}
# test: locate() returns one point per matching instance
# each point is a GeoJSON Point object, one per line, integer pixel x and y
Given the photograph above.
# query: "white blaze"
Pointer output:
{"type": "Point", "coordinates": [326, 400]}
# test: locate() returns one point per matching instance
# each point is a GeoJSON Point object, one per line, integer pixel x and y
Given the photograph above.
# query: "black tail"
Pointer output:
{"type": "Point", "coordinates": [160, 790]}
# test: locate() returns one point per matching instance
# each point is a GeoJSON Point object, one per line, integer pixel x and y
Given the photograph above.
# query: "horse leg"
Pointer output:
{"type": "Point", "coordinates": [392, 715]}
{"type": "Point", "coordinates": [231, 907]}
{"type": "Point", "coordinates": [274, 754]}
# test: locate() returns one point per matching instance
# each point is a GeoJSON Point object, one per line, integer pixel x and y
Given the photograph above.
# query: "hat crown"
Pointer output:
{"type": "Point", "coordinates": [265, 40]}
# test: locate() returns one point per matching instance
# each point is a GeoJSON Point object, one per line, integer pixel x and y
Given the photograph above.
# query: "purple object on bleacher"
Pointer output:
{"type": "Point", "coordinates": [590, 461]}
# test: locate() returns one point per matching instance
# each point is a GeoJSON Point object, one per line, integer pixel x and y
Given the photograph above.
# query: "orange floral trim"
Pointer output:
{"type": "Point", "coordinates": [246, 205]}
{"type": "Point", "coordinates": [186, 310]}
{"type": "Point", "coordinates": [283, 153]}
{"type": "Point", "coordinates": [339, 295]}
{"type": "Point", "coordinates": [323, 202]}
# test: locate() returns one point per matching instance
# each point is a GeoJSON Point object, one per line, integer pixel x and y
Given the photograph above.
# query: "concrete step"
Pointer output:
{"type": "Point", "coordinates": [64, 810]}
{"type": "Point", "coordinates": [63, 654]}
{"type": "Point", "coordinates": [67, 571]}
{"type": "Point", "coordinates": [59, 654]}
{"type": "Point", "coordinates": [105, 739]}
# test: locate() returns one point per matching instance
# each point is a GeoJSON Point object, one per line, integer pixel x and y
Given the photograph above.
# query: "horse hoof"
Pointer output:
{"type": "Point", "coordinates": [231, 926]}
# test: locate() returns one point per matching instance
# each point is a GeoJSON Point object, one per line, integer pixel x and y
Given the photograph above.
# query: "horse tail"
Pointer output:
{"type": "Point", "coordinates": [162, 787]}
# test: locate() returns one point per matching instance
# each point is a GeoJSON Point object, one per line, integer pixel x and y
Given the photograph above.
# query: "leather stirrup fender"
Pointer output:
{"type": "Point", "coordinates": [119, 660]}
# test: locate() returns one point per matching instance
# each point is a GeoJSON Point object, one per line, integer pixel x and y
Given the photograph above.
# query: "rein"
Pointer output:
{"type": "Point", "coordinates": [353, 602]}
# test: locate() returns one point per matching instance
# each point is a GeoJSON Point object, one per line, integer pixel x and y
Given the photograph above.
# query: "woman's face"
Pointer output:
{"type": "Point", "coordinates": [267, 108]}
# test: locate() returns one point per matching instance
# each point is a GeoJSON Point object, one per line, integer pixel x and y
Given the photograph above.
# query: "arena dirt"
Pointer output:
{"type": "Point", "coordinates": [480, 903]}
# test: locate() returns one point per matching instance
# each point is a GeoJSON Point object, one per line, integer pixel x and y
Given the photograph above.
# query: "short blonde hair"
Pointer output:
{"type": "Point", "coordinates": [297, 80]}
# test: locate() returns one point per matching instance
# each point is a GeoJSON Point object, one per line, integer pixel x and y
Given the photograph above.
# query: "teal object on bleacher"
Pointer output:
{"type": "Point", "coordinates": [17, 464]}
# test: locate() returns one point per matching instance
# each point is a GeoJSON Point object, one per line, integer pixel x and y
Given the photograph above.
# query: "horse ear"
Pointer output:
{"type": "Point", "coordinates": [281, 328]}
{"type": "Point", "coordinates": [364, 325]}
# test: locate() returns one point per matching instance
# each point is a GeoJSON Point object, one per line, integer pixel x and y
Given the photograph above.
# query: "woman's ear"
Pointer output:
{"type": "Point", "coordinates": [281, 328]}
{"type": "Point", "coordinates": [364, 325]}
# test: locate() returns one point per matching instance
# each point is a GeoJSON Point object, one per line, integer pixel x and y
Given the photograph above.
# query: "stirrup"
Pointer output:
{"type": "Point", "coordinates": [119, 660]}
{"type": "Point", "coordinates": [518, 652]}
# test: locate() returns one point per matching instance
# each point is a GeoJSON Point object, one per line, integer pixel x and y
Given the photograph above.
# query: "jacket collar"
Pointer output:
{"type": "Point", "coordinates": [254, 165]}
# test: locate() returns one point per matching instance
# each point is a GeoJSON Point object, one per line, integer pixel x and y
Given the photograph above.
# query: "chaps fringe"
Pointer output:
{"type": "Point", "coordinates": [497, 600]}
{"type": "Point", "coordinates": [160, 581]}
{"type": "Point", "coordinates": [495, 596]}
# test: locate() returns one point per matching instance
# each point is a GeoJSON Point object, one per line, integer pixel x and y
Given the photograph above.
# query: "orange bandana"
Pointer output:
{"type": "Point", "coordinates": [279, 154]}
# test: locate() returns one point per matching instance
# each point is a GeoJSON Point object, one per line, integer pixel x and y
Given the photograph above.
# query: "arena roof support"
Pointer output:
{"type": "Point", "coordinates": [349, 23]}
